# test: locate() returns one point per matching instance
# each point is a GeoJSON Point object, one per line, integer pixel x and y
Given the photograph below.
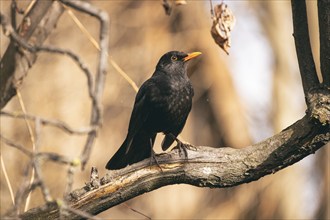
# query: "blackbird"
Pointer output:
{"type": "Point", "coordinates": [162, 104]}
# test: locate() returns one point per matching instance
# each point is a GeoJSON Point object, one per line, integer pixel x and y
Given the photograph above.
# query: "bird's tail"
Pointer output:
{"type": "Point", "coordinates": [140, 148]}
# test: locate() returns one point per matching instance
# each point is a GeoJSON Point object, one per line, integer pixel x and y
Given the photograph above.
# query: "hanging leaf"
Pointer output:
{"type": "Point", "coordinates": [223, 23]}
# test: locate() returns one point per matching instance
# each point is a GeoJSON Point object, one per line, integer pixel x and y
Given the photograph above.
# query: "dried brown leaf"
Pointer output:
{"type": "Point", "coordinates": [223, 23]}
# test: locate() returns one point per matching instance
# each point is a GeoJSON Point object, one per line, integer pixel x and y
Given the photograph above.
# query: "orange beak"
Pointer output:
{"type": "Point", "coordinates": [191, 55]}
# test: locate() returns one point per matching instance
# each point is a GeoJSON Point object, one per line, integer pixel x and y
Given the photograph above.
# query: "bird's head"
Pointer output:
{"type": "Point", "coordinates": [175, 61]}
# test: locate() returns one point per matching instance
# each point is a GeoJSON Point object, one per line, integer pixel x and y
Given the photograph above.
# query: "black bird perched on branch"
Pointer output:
{"type": "Point", "coordinates": [162, 104]}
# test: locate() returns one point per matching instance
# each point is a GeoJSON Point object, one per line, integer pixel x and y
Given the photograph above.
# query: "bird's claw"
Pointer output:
{"type": "Point", "coordinates": [190, 147]}
{"type": "Point", "coordinates": [153, 157]}
{"type": "Point", "coordinates": [182, 148]}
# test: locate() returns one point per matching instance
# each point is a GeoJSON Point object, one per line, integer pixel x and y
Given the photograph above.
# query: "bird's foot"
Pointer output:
{"type": "Point", "coordinates": [190, 146]}
{"type": "Point", "coordinates": [153, 158]}
{"type": "Point", "coordinates": [182, 147]}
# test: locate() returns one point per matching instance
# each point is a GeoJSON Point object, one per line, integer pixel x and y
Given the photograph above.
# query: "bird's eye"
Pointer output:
{"type": "Point", "coordinates": [174, 58]}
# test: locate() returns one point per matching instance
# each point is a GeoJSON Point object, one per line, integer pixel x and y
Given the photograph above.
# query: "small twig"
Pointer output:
{"type": "Point", "coordinates": [82, 27]}
{"type": "Point", "coordinates": [56, 158]}
{"type": "Point", "coordinates": [97, 46]}
{"type": "Point", "coordinates": [211, 10]}
{"type": "Point", "coordinates": [37, 131]}
{"type": "Point", "coordinates": [123, 74]}
{"type": "Point", "coordinates": [13, 10]}
{"type": "Point", "coordinates": [43, 155]}
{"type": "Point", "coordinates": [39, 178]}
{"type": "Point", "coordinates": [7, 180]}
{"type": "Point", "coordinates": [29, 7]}
{"type": "Point", "coordinates": [17, 9]}
{"type": "Point", "coordinates": [17, 146]}
{"type": "Point", "coordinates": [51, 122]}
{"type": "Point", "coordinates": [69, 180]}
{"type": "Point", "coordinates": [25, 189]}
{"type": "Point", "coordinates": [20, 99]}
{"type": "Point", "coordinates": [134, 210]}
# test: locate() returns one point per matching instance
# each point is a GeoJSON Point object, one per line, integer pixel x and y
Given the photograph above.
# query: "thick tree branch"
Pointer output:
{"type": "Point", "coordinates": [36, 25]}
{"type": "Point", "coordinates": [324, 27]}
{"type": "Point", "coordinates": [303, 47]}
{"type": "Point", "coordinates": [205, 167]}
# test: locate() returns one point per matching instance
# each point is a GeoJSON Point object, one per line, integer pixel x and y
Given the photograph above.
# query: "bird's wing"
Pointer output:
{"type": "Point", "coordinates": [141, 111]}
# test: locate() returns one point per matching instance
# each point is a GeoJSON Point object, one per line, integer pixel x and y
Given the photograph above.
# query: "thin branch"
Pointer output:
{"type": "Point", "coordinates": [24, 190]}
{"type": "Point", "coordinates": [97, 46]}
{"type": "Point", "coordinates": [69, 180]}
{"type": "Point", "coordinates": [303, 47]}
{"type": "Point", "coordinates": [13, 9]}
{"type": "Point", "coordinates": [96, 115]}
{"type": "Point", "coordinates": [42, 155]}
{"type": "Point", "coordinates": [324, 27]}
{"type": "Point", "coordinates": [39, 178]}
{"type": "Point", "coordinates": [136, 211]}
{"type": "Point", "coordinates": [50, 122]}
{"type": "Point", "coordinates": [124, 75]}
{"type": "Point", "coordinates": [4, 170]}
{"type": "Point", "coordinates": [15, 145]}
{"type": "Point", "coordinates": [33, 142]}
{"type": "Point", "coordinates": [211, 10]}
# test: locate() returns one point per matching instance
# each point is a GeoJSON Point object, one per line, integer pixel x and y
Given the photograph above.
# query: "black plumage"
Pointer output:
{"type": "Point", "coordinates": [162, 104]}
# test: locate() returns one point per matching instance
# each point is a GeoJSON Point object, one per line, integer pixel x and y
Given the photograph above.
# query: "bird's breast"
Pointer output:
{"type": "Point", "coordinates": [172, 106]}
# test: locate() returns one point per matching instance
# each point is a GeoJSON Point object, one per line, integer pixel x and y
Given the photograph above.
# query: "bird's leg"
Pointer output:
{"type": "Point", "coordinates": [153, 156]}
{"type": "Point", "coordinates": [181, 146]}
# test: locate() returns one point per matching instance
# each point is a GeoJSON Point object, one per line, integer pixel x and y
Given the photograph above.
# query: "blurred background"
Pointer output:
{"type": "Point", "coordinates": [239, 100]}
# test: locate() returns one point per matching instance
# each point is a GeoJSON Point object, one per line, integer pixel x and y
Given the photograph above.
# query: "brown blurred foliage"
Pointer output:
{"type": "Point", "coordinates": [140, 33]}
